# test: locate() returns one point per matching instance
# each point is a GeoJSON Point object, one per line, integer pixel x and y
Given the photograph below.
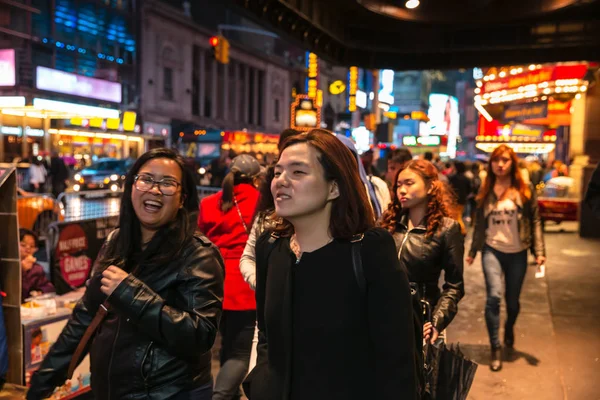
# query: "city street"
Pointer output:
{"type": "Point", "coordinates": [79, 208]}
{"type": "Point", "coordinates": [556, 348]}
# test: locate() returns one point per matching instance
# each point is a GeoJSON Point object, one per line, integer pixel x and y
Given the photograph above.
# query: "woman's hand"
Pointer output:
{"type": "Point", "coordinates": [429, 332]}
{"type": "Point", "coordinates": [540, 260]}
{"type": "Point", "coordinates": [469, 260]}
{"type": "Point", "coordinates": [111, 278]}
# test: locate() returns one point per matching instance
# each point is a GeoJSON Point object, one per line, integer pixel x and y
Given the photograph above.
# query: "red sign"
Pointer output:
{"type": "Point", "coordinates": [71, 250]}
{"type": "Point", "coordinates": [545, 74]}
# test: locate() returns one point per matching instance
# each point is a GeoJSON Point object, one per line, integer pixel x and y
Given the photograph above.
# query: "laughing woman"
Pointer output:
{"type": "Point", "coordinates": [162, 284]}
{"type": "Point", "coordinates": [322, 336]}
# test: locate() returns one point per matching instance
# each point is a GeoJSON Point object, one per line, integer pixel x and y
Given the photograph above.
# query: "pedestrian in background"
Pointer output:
{"type": "Point", "coordinates": [37, 175]}
{"type": "Point", "coordinates": [156, 291]}
{"type": "Point", "coordinates": [396, 159]}
{"type": "Point", "coordinates": [320, 336]}
{"type": "Point", "coordinates": [428, 241]}
{"type": "Point", "coordinates": [507, 224]}
{"type": "Point", "coordinates": [462, 189]}
{"type": "Point", "coordinates": [59, 174]}
{"type": "Point", "coordinates": [226, 217]}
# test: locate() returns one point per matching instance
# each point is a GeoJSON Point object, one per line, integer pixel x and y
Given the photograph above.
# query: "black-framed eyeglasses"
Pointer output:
{"type": "Point", "coordinates": [145, 183]}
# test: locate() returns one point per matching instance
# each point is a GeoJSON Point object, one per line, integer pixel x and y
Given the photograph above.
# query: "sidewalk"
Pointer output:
{"type": "Point", "coordinates": [557, 345]}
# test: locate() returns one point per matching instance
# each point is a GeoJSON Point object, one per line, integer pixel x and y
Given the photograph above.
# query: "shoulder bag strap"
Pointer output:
{"type": "Point", "coordinates": [240, 214]}
{"type": "Point", "coordinates": [89, 332]}
{"type": "Point", "coordinates": [357, 265]}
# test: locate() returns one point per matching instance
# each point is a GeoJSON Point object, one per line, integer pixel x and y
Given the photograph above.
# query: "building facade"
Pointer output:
{"type": "Point", "coordinates": [73, 67]}
{"type": "Point", "coordinates": [242, 105]}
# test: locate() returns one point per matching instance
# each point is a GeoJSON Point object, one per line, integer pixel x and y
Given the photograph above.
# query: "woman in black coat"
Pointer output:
{"type": "Point", "coordinates": [320, 335]}
{"type": "Point", "coordinates": [428, 241]}
{"type": "Point", "coordinates": [162, 284]}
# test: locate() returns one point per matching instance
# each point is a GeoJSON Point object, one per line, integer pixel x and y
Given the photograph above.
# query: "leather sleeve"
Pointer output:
{"type": "Point", "coordinates": [390, 318]}
{"type": "Point", "coordinates": [188, 327]}
{"type": "Point", "coordinates": [478, 232]}
{"type": "Point", "coordinates": [537, 230]}
{"type": "Point", "coordinates": [454, 287]}
{"type": "Point", "coordinates": [53, 371]}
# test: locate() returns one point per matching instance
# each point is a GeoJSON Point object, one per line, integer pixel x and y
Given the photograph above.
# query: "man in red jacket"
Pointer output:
{"type": "Point", "coordinates": [226, 218]}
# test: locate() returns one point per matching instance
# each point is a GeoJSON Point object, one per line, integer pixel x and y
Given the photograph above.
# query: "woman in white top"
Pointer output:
{"type": "Point", "coordinates": [507, 224]}
{"type": "Point", "coordinates": [37, 175]}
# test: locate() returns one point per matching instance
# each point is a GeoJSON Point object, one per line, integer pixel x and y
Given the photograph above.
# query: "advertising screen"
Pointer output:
{"type": "Point", "coordinates": [7, 67]}
{"type": "Point", "coordinates": [444, 119]}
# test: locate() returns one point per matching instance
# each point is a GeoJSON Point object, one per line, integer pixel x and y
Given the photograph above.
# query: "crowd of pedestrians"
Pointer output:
{"type": "Point", "coordinates": [308, 267]}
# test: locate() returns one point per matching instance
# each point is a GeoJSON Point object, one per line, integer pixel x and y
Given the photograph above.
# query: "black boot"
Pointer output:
{"type": "Point", "coordinates": [496, 364]}
{"type": "Point", "coordinates": [509, 337]}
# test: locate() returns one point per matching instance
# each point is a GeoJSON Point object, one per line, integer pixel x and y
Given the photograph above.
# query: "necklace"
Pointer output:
{"type": "Point", "coordinates": [295, 247]}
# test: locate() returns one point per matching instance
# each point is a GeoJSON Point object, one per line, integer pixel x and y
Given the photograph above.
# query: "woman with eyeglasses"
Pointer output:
{"type": "Point", "coordinates": [226, 218]}
{"type": "Point", "coordinates": [153, 303]}
{"type": "Point", "coordinates": [33, 278]}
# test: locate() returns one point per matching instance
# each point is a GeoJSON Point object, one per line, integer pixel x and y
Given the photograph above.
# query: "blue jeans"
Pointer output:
{"type": "Point", "coordinates": [237, 332]}
{"type": "Point", "coordinates": [202, 393]}
{"type": "Point", "coordinates": [514, 267]}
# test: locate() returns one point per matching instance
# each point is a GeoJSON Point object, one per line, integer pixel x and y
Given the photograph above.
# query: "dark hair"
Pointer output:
{"type": "Point", "coordinates": [399, 156]}
{"type": "Point", "coordinates": [351, 212]}
{"type": "Point", "coordinates": [171, 238]}
{"type": "Point", "coordinates": [428, 155]}
{"type": "Point", "coordinates": [26, 232]}
{"type": "Point", "coordinates": [283, 137]}
{"type": "Point", "coordinates": [460, 167]}
{"type": "Point", "coordinates": [440, 202]}
{"type": "Point", "coordinates": [266, 203]}
{"type": "Point", "coordinates": [517, 182]}
{"type": "Point", "coordinates": [232, 179]}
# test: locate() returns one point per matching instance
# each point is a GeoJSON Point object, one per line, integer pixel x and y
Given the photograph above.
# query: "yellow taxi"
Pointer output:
{"type": "Point", "coordinates": [37, 211]}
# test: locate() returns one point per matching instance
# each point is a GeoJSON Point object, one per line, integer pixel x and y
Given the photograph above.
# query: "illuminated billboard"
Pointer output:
{"type": "Point", "coordinates": [444, 119]}
{"type": "Point", "coordinates": [7, 67]}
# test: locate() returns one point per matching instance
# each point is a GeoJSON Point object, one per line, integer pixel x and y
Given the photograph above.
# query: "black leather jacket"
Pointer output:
{"type": "Point", "coordinates": [156, 339]}
{"type": "Point", "coordinates": [530, 224]}
{"type": "Point", "coordinates": [425, 258]}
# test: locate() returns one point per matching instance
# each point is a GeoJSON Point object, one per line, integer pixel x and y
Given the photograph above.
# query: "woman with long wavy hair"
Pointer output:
{"type": "Point", "coordinates": [427, 240]}
{"type": "Point", "coordinates": [507, 224]}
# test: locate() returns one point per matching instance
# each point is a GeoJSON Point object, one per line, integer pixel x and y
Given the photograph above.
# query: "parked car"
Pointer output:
{"type": "Point", "coordinates": [105, 174]}
{"type": "Point", "coordinates": [558, 201]}
{"type": "Point", "coordinates": [37, 211]}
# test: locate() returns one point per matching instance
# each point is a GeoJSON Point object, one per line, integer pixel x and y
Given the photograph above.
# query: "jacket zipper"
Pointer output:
{"type": "Point", "coordinates": [404, 240]}
{"type": "Point", "coordinates": [112, 353]}
{"type": "Point", "coordinates": [146, 354]}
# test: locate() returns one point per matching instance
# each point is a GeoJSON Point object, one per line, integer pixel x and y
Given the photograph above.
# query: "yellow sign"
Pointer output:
{"type": "Point", "coordinates": [319, 99]}
{"type": "Point", "coordinates": [337, 87]}
{"type": "Point", "coordinates": [313, 74]}
{"type": "Point", "coordinates": [352, 88]}
{"type": "Point", "coordinates": [305, 114]}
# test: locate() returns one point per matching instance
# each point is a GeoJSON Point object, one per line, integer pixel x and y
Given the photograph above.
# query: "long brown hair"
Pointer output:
{"type": "Point", "coordinates": [517, 181]}
{"type": "Point", "coordinates": [440, 201]}
{"type": "Point", "coordinates": [351, 211]}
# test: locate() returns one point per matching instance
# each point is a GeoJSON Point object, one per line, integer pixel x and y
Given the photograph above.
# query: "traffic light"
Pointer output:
{"type": "Point", "coordinates": [220, 47]}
